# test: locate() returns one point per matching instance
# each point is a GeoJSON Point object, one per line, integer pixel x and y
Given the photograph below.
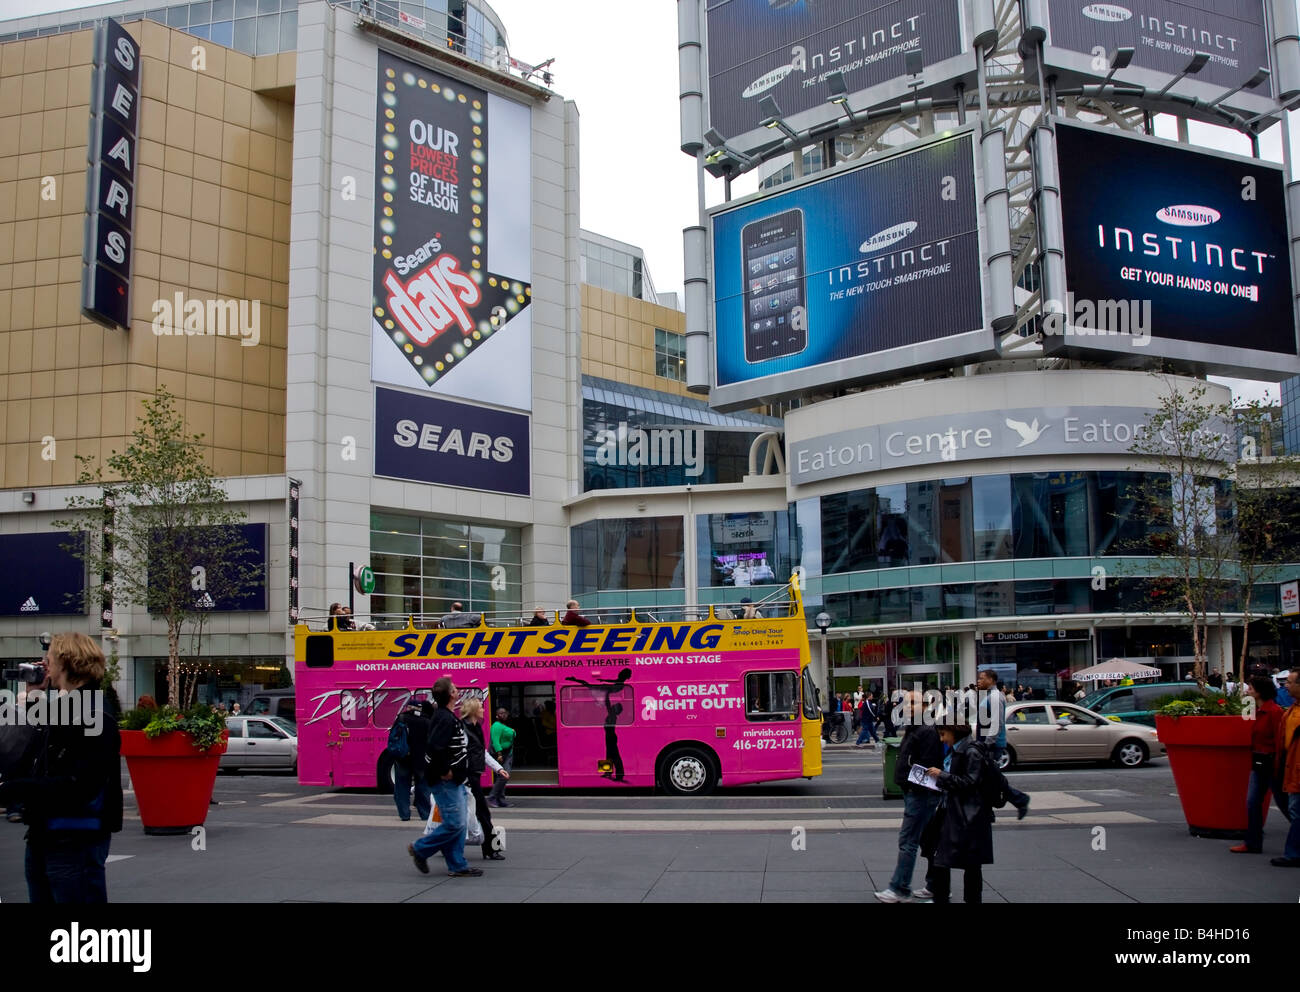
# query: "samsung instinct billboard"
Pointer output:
{"type": "Point", "coordinates": [1188, 248]}
{"type": "Point", "coordinates": [453, 237]}
{"type": "Point", "coordinates": [850, 277]}
{"type": "Point", "coordinates": [1164, 36]}
{"type": "Point", "coordinates": [786, 49]}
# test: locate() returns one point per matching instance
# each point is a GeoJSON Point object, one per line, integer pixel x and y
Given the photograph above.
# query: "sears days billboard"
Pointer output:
{"type": "Point", "coordinates": [787, 48]}
{"type": "Point", "coordinates": [1188, 248]}
{"type": "Point", "coordinates": [1164, 35]}
{"type": "Point", "coordinates": [453, 238]}
{"type": "Point", "coordinates": [853, 276]}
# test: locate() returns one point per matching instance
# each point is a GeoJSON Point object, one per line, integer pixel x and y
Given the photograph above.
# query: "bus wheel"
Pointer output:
{"type": "Point", "coordinates": [385, 775]}
{"type": "Point", "coordinates": [687, 771]}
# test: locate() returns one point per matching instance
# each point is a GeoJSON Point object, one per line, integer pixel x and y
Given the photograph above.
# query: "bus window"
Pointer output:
{"type": "Point", "coordinates": [771, 696]}
{"type": "Point", "coordinates": [584, 707]}
{"type": "Point", "coordinates": [354, 707]}
{"type": "Point", "coordinates": [810, 710]}
{"type": "Point", "coordinates": [386, 705]}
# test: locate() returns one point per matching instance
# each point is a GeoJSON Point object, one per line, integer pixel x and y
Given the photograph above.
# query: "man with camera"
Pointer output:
{"type": "Point", "coordinates": [69, 781]}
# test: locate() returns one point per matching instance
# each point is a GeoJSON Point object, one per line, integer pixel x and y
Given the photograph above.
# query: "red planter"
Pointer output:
{"type": "Point", "coordinates": [172, 779]}
{"type": "Point", "coordinates": [1210, 759]}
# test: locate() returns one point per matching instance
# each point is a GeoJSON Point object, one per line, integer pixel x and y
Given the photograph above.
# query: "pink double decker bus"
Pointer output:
{"type": "Point", "coordinates": [710, 698]}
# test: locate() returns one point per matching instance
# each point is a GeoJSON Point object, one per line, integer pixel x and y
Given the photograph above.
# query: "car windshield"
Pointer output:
{"type": "Point", "coordinates": [1091, 700]}
{"type": "Point", "coordinates": [284, 725]}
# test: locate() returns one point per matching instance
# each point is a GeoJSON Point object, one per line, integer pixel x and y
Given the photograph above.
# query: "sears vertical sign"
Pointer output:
{"type": "Point", "coordinates": [110, 178]}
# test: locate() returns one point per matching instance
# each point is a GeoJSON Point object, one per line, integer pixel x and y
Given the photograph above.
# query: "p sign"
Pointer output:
{"type": "Point", "coordinates": [363, 579]}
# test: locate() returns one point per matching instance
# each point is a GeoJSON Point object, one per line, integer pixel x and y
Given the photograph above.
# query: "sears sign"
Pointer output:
{"type": "Point", "coordinates": [1198, 240]}
{"type": "Point", "coordinates": [110, 177]}
{"type": "Point", "coordinates": [424, 439]}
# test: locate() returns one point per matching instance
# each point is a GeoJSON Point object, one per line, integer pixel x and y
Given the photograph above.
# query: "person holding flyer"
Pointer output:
{"type": "Point", "coordinates": [919, 749]}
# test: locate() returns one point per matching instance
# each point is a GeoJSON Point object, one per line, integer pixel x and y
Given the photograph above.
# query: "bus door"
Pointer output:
{"type": "Point", "coordinates": [348, 737]}
{"type": "Point", "coordinates": [772, 737]}
{"type": "Point", "coordinates": [533, 717]}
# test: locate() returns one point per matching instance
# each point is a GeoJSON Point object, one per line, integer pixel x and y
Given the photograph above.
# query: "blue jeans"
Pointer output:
{"type": "Point", "coordinates": [402, 793]}
{"type": "Point", "coordinates": [1292, 848]}
{"type": "Point", "coordinates": [68, 874]}
{"type": "Point", "coordinates": [868, 730]}
{"type": "Point", "coordinates": [449, 836]}
{"type": "Point", "coordinates": [498, 783]}
{"type": "Point", "coordinates": [918, 807]}
{"type": "Point", "coordinates": [1256, 791]}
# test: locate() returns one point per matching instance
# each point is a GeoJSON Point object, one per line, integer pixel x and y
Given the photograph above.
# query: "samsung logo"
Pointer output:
{"type": "Point", "coordinates": [888, 237]}
{"type": "Point", "coordinates": [764, 83]}
{"type": "Point", "coordinates": [1107, 12]}
{"type": "Point", "coordinates": [1188, 215]}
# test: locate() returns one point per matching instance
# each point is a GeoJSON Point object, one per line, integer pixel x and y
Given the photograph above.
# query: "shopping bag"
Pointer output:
{"type": "Point", "coordinates": [473, 832]}
{"type": "Point", "coordinates": [435, 817]}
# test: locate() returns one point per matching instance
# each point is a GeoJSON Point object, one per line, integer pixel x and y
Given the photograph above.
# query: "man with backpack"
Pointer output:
{"type": "Point", "coordinates": [447, 770]}
{"type": "Point", "coordinates": [991, 731]}
{"type": "Point", "coordinates": [407, 743]}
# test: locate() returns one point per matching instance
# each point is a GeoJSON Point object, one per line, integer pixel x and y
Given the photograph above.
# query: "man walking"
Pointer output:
{"type": "Point", "coordinates": [446, 773]}
{"type": "Point", "coordinates": [1288, 749]}
{"type": "Point", "coordinates": [920, 746]}
{"type": "Point", "coordinates": [409, 768]}
{"type": "Point", "coordinates": [993, 735]}
{"type": "Point", "coordinates": [503, 746]}
{"type": "Point", "coordinates": [867, 715]}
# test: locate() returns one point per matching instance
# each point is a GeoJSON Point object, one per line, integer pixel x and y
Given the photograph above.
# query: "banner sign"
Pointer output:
{"type": "Point", "coordinates": [787, 49]}
{"type": "Point", "coordinates": [424, 439]}
{"type": "Point", "coordinates": [41, 578]}
{"type": "Point", "coordinates": [110, 177]}
{"type": "Point", "coordinates": [1178, 253]}
{"type": "Point", "coordinates": [295, 501]}
{"type": "Point", "coordinates": [211, 580]}
{"type": "Point", "coordinates": [443, 287]}
{"type": "Point", "coordinates": [854, 276]}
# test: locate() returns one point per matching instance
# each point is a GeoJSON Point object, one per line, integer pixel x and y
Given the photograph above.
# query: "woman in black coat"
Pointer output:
{"type": "Point", "coordinates": [961, 833]}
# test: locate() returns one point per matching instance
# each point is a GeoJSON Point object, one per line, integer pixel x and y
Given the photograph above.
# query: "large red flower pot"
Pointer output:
{"type": "Point", "coordinates": [1210, 759]}
{"type": "Point", "coordinates": [172, 779]}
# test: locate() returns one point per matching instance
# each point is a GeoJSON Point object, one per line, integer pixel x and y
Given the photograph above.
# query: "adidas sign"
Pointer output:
{"type": "Point", "coordinates": [205, 602]}
{"type": "Point", "coordinates": [29, 606]}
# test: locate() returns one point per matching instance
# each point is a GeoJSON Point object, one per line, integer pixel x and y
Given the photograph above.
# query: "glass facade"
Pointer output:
{"type": "Point", "coordinates": [670, 355]}
{"type": "Point", "coordinates": [737, 550]}
{"type": "Point", "coordinates": [629, 554]}
{"type": "Point", "coordinates": [423, 565]}
{"type": "Point", "coordinates": [619, 271]}
{"type": "Point", "coordinates": [684, 442]}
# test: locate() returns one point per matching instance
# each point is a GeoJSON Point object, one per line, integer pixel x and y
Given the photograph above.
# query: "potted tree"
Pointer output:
{"type": "Point", "coordinates": [155, 513]}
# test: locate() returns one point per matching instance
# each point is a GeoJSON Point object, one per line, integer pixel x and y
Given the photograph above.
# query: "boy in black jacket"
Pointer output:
{"type": "Point", "coordinates": [920, 746]}
{"type": "Point", "coordinates": [448, 768]}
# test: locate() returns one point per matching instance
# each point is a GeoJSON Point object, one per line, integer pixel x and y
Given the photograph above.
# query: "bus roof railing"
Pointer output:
{"type": "Point", "coordinates": [770, 607]}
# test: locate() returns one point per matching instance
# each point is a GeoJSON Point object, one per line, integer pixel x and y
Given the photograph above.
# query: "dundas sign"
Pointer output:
{"type": "Point", "coordinates": [966, 437]}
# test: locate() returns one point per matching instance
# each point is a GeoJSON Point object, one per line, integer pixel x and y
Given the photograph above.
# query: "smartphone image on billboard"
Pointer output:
{"type": "Point", "coordinates": [773, 257]}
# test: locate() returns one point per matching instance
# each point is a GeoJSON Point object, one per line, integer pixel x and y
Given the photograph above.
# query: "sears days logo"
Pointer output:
{"type": "Point", "coordinates": [1188, 215]}
{"type": "Point", "coordinates": [764, 83]}
{"type": "Point", "coordinates": [887, 238]}
{"type": "Point", "coordinates": [1109, 12]}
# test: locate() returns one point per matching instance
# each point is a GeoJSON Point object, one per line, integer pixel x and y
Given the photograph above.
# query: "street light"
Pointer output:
{"type": "Point", "coordinates": [1196, 64]}
{"type": "Point", "coordinates": [823, 621]}
{"type": "Point", "coordinates": [772, 118]}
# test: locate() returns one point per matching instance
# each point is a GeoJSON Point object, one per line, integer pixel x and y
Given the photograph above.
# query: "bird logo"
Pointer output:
{"type": "Point", "coordinates": [1029, 433]}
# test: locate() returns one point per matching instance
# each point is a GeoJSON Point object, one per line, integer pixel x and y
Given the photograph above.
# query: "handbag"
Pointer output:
{"type": "Point", "coordinates": [1262, 762]}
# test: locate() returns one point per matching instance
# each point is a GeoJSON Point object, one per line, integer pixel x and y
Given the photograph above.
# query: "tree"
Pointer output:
{"type": "Point", "coordinates": [1192, 443]}
{"type": "Point", "coordinates": [176, 546]}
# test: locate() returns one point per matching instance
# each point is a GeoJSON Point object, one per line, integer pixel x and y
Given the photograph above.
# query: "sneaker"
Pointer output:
{"type": "Point", "coordinates": [504, 804]}
{"type": "Point", "coordinates": [1022, 811]}
{"type": "Point", "coordinates": [1285, 862]}
{"type": "Point", "coordinates": [1244, 849]}
{"type": "Point", "coordinates": [889, 895]}
{"type": "Point", "coordinates": [465, 873]}
{"type": "Point", "coordinates": [494, 804]}
{"type": "Point", "coordinates": [922, 895]}
{"type": "Point", "coordinates": [421, 863]}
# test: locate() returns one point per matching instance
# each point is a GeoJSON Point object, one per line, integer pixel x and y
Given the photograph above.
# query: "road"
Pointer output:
{"type": "Point", "coordinates": [1094, 834]}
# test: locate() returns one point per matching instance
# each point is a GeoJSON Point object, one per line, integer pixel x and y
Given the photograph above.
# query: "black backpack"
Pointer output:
{"type": "Point", "coordinates": [398, 745]}
{"type": "Point", "coordinates": [993, 790]}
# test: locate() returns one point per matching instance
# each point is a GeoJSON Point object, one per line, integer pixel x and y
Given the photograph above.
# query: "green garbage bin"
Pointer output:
{"type": "Point", "coordinates": [890, 789]}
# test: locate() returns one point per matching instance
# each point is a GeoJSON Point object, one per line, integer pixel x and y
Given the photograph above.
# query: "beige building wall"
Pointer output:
{"type": "Point", "coordinates": [618, 338]}
{"type": "Point", "coordinates": [213, 185]}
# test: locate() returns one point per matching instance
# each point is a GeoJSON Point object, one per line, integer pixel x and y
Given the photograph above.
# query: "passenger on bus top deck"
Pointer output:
{"type": "Point", "coordinates": [573, 618]}
{"type": "Point", "coordinates": [540, 618]}
{"type": "Point", "coordinates": [751, 611]}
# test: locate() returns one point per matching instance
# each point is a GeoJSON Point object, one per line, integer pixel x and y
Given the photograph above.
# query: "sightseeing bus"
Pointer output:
{"type": "Point", "coordinates": [638, 698]}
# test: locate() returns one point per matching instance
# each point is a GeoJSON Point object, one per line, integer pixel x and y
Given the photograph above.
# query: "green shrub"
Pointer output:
{"type": "Point", "coordinates": [1195, 703]}
{"type": "Point", "coordinates": [200, 721]}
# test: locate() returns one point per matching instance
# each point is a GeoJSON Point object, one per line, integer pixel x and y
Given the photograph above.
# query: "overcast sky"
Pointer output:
{"type": "Point", "coordinates": [618, 62]}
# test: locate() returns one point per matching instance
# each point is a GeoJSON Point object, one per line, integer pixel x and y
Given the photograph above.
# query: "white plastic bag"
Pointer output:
{"type": "Point", "coordinates": [473, 832]}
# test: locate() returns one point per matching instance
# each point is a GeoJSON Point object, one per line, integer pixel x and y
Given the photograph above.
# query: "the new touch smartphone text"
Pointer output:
{"type": "Point", "coordinates": [774, 287]}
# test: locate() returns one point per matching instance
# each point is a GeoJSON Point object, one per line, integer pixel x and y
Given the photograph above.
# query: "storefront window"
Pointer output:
{"type": "Point", "coordinates": [632, 553]}
{"type": "Point", "coordinates": [744, 549]}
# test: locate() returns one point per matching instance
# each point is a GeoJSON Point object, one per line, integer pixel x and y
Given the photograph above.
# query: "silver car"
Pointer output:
{"type": "Point", "coordinates": [1056, 731]}
{"type": "Point", "coordinates": [261, 743]}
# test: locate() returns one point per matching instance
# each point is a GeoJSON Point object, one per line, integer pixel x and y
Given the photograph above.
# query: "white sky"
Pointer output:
{"type": "Point", "coordinates": [618, 62]}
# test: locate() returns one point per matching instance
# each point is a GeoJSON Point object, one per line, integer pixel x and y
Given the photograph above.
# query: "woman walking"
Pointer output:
{"type": "Point", "coordinates": [471, 714]}
{"type": "Point", "coordinates": [961, 833]}
{"type": "Point", "coordinates": [1263, 759]}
